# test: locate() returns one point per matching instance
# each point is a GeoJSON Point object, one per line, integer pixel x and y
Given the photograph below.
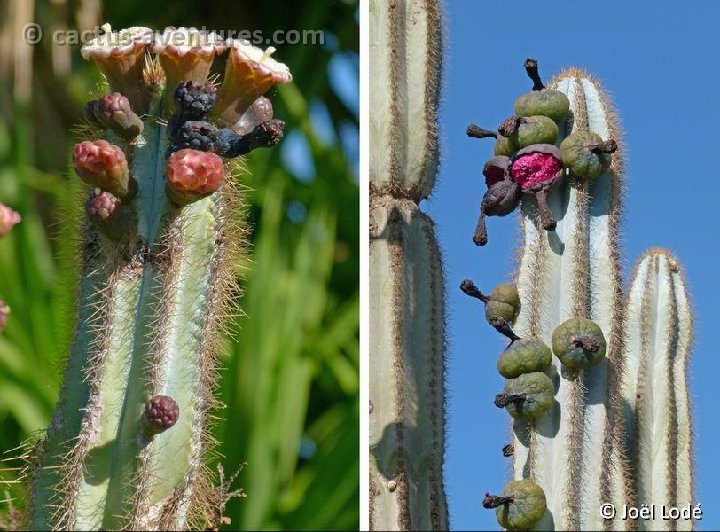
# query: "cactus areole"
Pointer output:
{"type": "Point", "coordinates": [126, 445]}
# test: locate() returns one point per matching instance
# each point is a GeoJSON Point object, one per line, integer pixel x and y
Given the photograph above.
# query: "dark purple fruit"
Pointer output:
{"type": "Point", "coordinates": [161, 413]}
{"type": "Point", "coordinates": [501, 198]}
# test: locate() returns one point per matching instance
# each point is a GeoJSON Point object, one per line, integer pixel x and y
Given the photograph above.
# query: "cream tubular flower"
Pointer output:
{"type": "Point", "coordinates": [121, 57]}
{"type": "Point", "coordinates": [250, 73]}
{"type": "Point", "coordinates": [186, 54]}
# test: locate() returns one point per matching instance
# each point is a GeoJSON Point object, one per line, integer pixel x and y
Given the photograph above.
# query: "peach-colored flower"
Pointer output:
{"type": "Point", "coordinates": [193, 175]}
{"type": "Point", "coordinates": [250, 72]}
{"type": "Point", "coordinates": [186, 54]}
{"type": "Point", "coordinates": [120, 56]}
{"type": "Point", "coordinates": [102, 165]}
{"type": "Point", "coordinates": [8, 218]}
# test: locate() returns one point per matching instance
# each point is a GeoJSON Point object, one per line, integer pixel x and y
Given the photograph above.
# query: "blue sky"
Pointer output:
{"type": "Point", "coordinates": [657, 61]}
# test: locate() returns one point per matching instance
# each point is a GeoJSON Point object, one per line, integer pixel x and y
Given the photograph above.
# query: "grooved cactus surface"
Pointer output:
{"type": "Point", "coordinates": [657, 410]}
{"type": "Point", "coordinates": [152, 295]}
{"type": "Point", "coordinates": [407, 342]}
{"type": "Point", "coordinates": [575, 271]}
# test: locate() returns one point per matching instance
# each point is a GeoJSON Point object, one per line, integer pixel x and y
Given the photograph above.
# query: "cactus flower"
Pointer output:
{"type": "Point", "coordinates": [185, 54]}
{"type": "Point", "coordinates": [102, 165]}
{"type": "Point", "coordinates": [8, 218]}
{"type": "Point", "coordinates": [250, 73]}
{"type": "Point", "coordinates": [121, 57]}
{"type": "Point", "coordinates": [193, 175]}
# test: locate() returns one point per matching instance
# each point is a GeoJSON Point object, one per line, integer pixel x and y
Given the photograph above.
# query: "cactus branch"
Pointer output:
{"type": "Point", "coordinates": [658, 425]}
{"type": "Point", "coordinates": [407, 342]}
{"type": "Point", "coordinates": [560, 276]}
{"type": "Point", "coordinates": [126, 446]}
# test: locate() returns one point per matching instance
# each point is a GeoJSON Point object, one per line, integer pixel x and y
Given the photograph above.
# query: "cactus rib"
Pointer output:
{"type": "Point", "coordinates": [407, 343]}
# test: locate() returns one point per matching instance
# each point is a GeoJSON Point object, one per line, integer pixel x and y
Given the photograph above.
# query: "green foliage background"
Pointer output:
{"type": "Point", "coordinates": [290, 371]}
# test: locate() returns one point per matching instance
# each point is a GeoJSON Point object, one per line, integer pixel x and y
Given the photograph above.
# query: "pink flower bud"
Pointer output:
{"type": "Point", "coordinates": [8, 218]}
{"type": "Point", "coordinates": [4, 313]}
{"type": "Point", "coordinates": [110, 216]}
{"type": "Point", "coordinates": [161, 413]}
{"type": "Point", "coordinates": [193, 175]}
{"type": "Point", "coordinates": [260, 111]}
{"type": "Point", "coordinates": [113, 111]}
{"type": "Point", "coordinates": [102, 165]}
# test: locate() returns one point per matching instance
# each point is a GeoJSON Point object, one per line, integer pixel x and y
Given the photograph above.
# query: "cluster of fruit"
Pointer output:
{"type": "Point", "coordinates": [578, 343]}
{"type": "Point", "coordinates": [528, 162]}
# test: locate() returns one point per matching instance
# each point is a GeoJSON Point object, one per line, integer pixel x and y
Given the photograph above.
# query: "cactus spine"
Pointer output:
{"type": "Point", "coordinates": [658, 420]}
{"type": "Point", "coordinates": [406, 292]}
{"type": "Point", "coordinates": [152, 294]}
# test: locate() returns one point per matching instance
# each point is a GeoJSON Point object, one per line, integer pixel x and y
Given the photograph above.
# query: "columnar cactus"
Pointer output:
{"type": "Point", "coordinates": [575, 271]}
{"type": "Point", "coordinates": [618, 431]}
{"type": "Point", "coordinates": [655, 390]}
{"type": "Point", "coordinates": [126, 445]}
{"type": "Point", "coordinates": [406, 293]}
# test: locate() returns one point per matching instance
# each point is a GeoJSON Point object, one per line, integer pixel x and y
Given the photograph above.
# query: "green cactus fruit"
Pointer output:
{"type": "Point", "coordinates": [524, 131]}
{"type": "Point", "coordinates": [579, 343]}
{"type": "Point", "coordinates": [504, 146]}
{"type": "Point", "coordinates": [520, 506]}
{"type": "Point", "coordinates": [524, 356]}
{"type": "Point", "coordinates": [503, 303]}
{"type": "Point", "coordinates": [528, 396]}
{"type": "Point", "coordinates": [586, 155]}
{"type": "Point", "coordinates": [541, 100]}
